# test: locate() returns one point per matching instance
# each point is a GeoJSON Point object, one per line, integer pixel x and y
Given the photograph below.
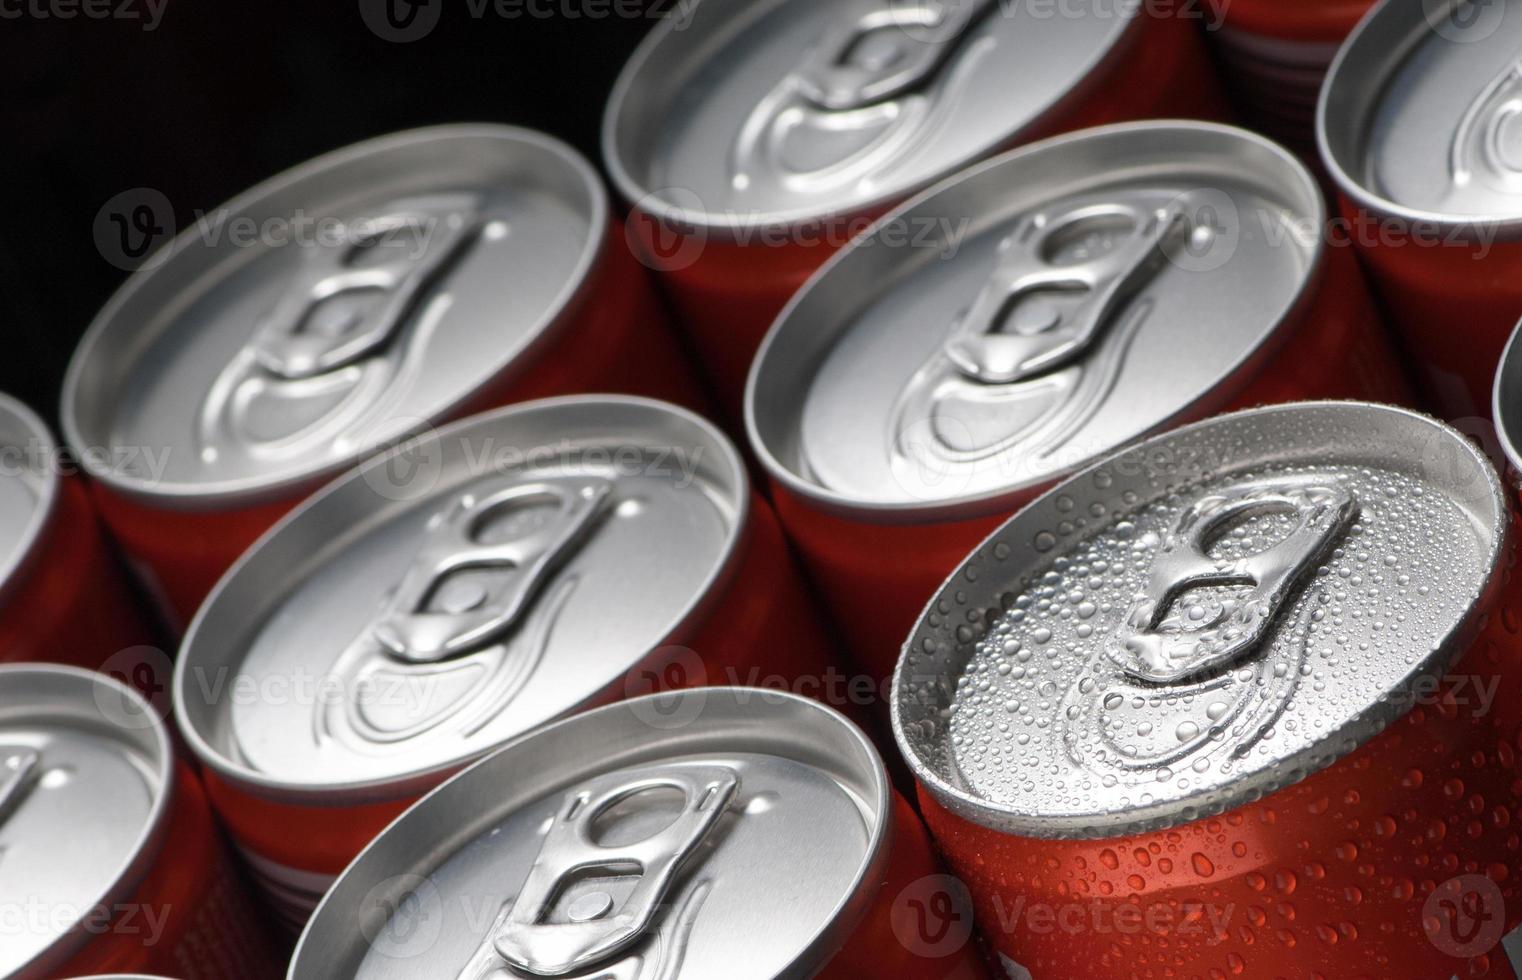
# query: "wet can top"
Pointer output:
{"type": "Point", "coordinates": [1200, 620]}
{"type": "Point", "coordinates": [85, 778]}
{"type": "Point", "coordinates": [1418, 116]}
{"type": "Point", "coordinates": [459, 591]}
{"type": "Point", "coordinates": [735, 113]}
{"type": "Point", "coordinates": [722, 832]}
{"type": "Point", "coordinates": [1013, 322]}
{"type": "Point", "coordinates": [332, 310]}
{"type": "Point", "coordinates": [29, 471]}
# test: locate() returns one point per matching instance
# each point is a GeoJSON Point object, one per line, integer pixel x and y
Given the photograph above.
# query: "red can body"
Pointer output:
{"type": "Point", "coordinates": [1335, 348]}
{"type": "Point", "coordinates": [208, 927]}
{"type": "Point", "coordinates": [1402, 861]}
{"type": "Point", "coordinates": [614, 337]}
{"type": "Point", "coordinates": [70, 601]}
{"type": "Point", "coordinates": [759, 627]}
{"type": "Point", "coordinates": [726, 290]}
{"type": "Point", "coordinates": [1276, 53]}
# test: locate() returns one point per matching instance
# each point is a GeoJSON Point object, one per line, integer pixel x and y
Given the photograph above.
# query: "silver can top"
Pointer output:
{"type": "Point", "coordinates": [1506, 402]}
{"type": "Point", "coordinates": [661, 837]}
{"type": "Point", "coordinates": [29, 474]}
{"type": "Point", "coordinates": [332, 310]}
{"type": "Point", "coordinates": [1012, 322]}
{"type": "Point", "coordinates": [735, 113]}
{"type": "Point", "coordinates": [1200, 620]}
{"type": "Point", "coordinates": [85, 779]}
{"type": "Point", "coordinates": [458, 592]}
{"type": "Point", "coordinates": [1418, 117]}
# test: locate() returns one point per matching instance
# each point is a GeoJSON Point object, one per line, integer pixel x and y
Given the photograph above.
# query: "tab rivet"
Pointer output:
{"type": "Point", "coordinates": [461, 597]}
{"type": "Point", "coordinates": [591, 906]}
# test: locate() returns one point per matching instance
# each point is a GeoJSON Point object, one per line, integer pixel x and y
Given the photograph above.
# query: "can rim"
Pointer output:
{"type": "Point", "coordinates": [155, 830]}
{"type": "Point", "coordinates": [1506, 400]}
{"type": "Point", "coordinates": [1007, 819]}
{"type": "Point", "coordinates": [827, 939]}
{"type": "Point", "coordinates": [1372, 32]}
{"type": "Point", "coordinates": [386, 788]}
{"type": "Point", "coordinates": [11, 565]}
{"type": "Point", "coordinates": [253, 490]}
{"type": "Point", "coordinates": [647, 199]}
{"type": "Point", "coordinates": [1001, 499]}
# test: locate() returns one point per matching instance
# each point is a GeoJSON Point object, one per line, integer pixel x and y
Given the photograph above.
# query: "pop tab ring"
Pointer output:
{"type": "Point", "coordinates": [548, 933]}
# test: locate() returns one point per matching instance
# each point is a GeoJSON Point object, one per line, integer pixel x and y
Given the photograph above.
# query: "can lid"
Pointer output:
{"type": "Point", "coordinates": [85, 778]}
{"type": "Point", "coordinates": [1201, 620]}
{"type": "Point", "coordinates": [1418, 116]}
{"type": "Point", "coordinates": [1012, 322]}
{"type": "Point", "coordinates": [331, 310]}
{"type": "Point", "coordinates": [28, 485]}
{"type": "Point", "coordinates": [1506, 402]}
{"type": "Point", "coordinates": [742, 114]}
{"type": "Point", "coordinates": [660, 837]}
{"type": "Point", "coordinates": [460, 591]}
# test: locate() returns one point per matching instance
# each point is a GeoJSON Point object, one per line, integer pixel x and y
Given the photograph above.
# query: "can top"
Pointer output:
{"type": "Point", "coordinates": [458, 592]}
{"type": "Point", "coordinates": [1417, 118]}
{"type": "Point", "coordinates": [1506, 401]}
{"type": "Point", "coordinates": [28, 485]}
{"type": "Point", "coordinates": [1012, 322]}
{"type": "Point", "coordinates": [735, 114]}
{"type": "Point", "coordinates": [1201, 620]}
{"type": "Point", "coordinates": [664, 836]}
{"type": "Point", "coordinates": [331, 310]}
{"type": "Point", "coordinates": [85, 778]}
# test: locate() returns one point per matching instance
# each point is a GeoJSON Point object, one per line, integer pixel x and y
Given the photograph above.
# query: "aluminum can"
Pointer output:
{"type": "Point", "coordinates": [1084, 292]}
{"type": "Point", "coordinates": [64, 596]}
{"type": "Point", "coordinates": [1414, 126]}
{"type": "Point", "coordinates": [1276, 54]}
{"type": "Point", "coordinates": [1255, 718]}
{"type": "Point", "coordinates": [728, 832]}
{"type": "Point", "coordinates": [338, 307]}
{"type": "Point", "coordinates": [754, 139]}
{"type": "Point", "coordinates": [113, 860]}
{"type": "Point", "coordinates": [442, 600]}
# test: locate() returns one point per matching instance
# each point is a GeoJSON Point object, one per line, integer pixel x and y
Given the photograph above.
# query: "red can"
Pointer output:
{"type": "Point", "coordinates": [921, 389]}
{"type": "Point", "coordinates": [776, 810]}
{"type": "Point", "coordinates": [1276, 54]}
{"type": "Point", "coordinates": [753, 140]}
{"type": "Point", "coordinates": [326, 313]}
{"type": "Point", "coordinates": [64, 598]}
{"type": "Point", "coordinates": [113, 860]}
{"type": "Point", "coordinates": [474, 585]}
{"type": "Point", "coordinates": [1254, 720]}
{"type": "Point", "coordinates": [1414, 126]}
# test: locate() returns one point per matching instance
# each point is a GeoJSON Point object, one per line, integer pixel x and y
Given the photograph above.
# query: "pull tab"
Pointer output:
{"type": "Point", "coordinates": [437, 613]}
{"type": "Point", "coordinates": [878, 57]}
{"type": "Point", "coordinates": [1488, 140]}
{"type": "Point", "coordinates": [1034, 316]}
{"type": "Point", "coordinates": [564, 919]}
{"type": "Point", "coordinates": [17, 769]}
{"type": "Point", "coordinates": [1148, 654]}
{"type": "Point", "coordinates": [346, 303]}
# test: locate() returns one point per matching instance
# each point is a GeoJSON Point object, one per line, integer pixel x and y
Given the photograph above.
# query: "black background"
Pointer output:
{"type": "Point", "coordinates": [223, 94]}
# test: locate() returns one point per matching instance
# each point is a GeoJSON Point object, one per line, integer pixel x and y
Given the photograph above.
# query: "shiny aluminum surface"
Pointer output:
{"type": "Point", "coordinates": [725, 832]}
{"type": "Point", "coordinates": [917, 377]}
{"type": "Point", "coordinates": [460, 592]}
{"type": "Point", "coordinates": [28, 484]}
{"type": "Point", "coordinates": [85, 779]}
{"type": "Point", "coordinates": [1418, 118]}
{"type": "Point", "coordinates": [1198, 621]}
{"type": "Point", "coordinates": [736, 113]}
{"type": "Point", "coordinates": [333, 309]}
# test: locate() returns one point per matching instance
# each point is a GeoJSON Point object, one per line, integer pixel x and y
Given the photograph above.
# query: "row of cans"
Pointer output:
{"type": "Point", "coordinates": [1232, 701]}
